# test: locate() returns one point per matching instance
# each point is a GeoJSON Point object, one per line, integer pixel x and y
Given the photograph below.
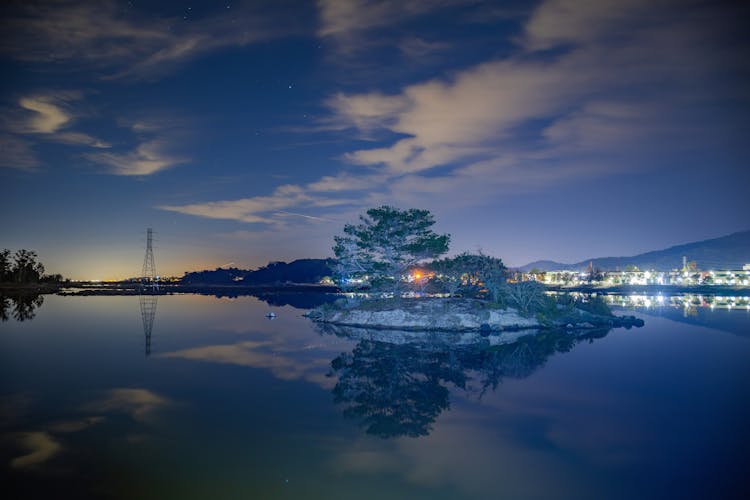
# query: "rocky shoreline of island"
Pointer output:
{"type": "Point", "coordinates": [458, 315]}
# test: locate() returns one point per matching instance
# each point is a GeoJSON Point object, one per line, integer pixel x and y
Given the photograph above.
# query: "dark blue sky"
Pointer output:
{"type": "Point", "coordinates": [244, 132]}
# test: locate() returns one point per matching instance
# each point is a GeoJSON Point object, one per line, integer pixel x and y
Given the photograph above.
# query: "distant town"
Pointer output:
{"type": "Point", "coordinates": [688, 275]}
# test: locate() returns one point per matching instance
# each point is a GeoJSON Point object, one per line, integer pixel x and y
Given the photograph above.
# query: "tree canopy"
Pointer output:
{"type": "Point", "coordinates": [469, 273]}
{"type": "Point", "coordinates": [22, 267]}
{"type": "Point", "coordinates": [386, 243]}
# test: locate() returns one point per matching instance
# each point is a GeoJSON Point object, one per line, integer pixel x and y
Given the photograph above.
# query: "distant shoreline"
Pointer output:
{"type": "Point", "coordinates": [38, 288]}
{"type": "Point", "coordinates": [170, 289]}
{"type": "Point", "coordinates": [120, 288]}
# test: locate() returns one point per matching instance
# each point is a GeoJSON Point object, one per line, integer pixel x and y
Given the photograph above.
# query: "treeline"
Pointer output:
{"type": "Point", "coordinates": [23, 267]}
{"type": "Point", "coordinates": [298, 271]}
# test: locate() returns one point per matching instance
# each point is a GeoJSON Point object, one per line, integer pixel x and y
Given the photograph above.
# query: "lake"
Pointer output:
{"type": "Point", "coordinates": [190, 396]}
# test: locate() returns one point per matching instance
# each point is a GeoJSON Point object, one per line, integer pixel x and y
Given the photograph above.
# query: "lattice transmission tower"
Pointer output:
{"type": "Point", "coordinates": [149, 268]}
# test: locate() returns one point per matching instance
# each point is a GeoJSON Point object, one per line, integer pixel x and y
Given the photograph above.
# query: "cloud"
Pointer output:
{"type": "Point", "coordinates": [153, 148]}
{"type": "Point", "coordinates": [341, 17]}
{"type": "Point", "coordinates": [346, 17]}
{"type": "Point", "coordinates": [417, 48]}
{"type": "Point", "coordinates": [80, 139]}
{"type": "Point", "coordinates": [48, 117]}
{"type": "Point", "coordinates": [122, 42]}
{"type": "Point", "coordinates": [606, 88]}
{"type": "Point", "coordinates": [346, 181]}
{"type": "Point", "coordinates": [259, 209]}
{"type": "Point", "coordinates": [590, 90]}
{"type": "Point", "coordinates": [366, 111]}
{"type": "Point", "coordinates": [560, 22]}
{"type": "Point", "coordinates": [304, 216]}
{"type": "Point", "coordinates": [147, 158]}
{"type": "Point", "coordinates": [354, 26]}
{"type": "Point", "coordinates": [41, 447]}
{"type": "Point", "coordinates": [471, 114]}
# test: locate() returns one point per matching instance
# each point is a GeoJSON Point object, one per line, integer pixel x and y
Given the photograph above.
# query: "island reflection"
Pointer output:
{"type": "Point", "coordinates": [400, 389]}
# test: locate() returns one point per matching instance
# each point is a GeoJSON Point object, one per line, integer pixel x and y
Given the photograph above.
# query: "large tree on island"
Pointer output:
{"type": "Point", "coordinates": [386, 243]}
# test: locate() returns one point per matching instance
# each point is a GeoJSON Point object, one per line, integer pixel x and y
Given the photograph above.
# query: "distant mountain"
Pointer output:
{"type": "Point", "coordinates": [298, 271]}
{"type": "Point", "coordinates": [546, 265]}
{"type": "Point", "coordinates": [726, 252]}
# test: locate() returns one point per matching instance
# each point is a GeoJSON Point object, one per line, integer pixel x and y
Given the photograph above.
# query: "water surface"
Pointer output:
{"type": "Point", "coordinates": [188, 396]}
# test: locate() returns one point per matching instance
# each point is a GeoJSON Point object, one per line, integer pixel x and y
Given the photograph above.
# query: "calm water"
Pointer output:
{"type": "Point", "coordinates": [229, 404]}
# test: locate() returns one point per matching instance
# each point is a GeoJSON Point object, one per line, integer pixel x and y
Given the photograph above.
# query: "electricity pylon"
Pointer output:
{"type": "Point", "coordinates": [148, 273]}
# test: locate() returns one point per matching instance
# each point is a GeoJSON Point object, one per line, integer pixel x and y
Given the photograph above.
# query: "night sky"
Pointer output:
{"type": "Point", "coordinates": [244, 132]}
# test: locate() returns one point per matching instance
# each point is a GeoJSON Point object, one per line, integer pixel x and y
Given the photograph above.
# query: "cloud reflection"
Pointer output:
{"type": "Point", "coordinates": [263, 355]}
{"type": "Point", "coordinates": [140, 404]}
{"type": "Point", "coordinates": [41, 447]}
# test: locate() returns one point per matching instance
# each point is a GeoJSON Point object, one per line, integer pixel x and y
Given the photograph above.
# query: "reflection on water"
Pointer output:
{"type": "Point", "coordinates": [399, 389]}
{"type": "Point", "coordinates": [20, 306]}
{"type": "Point", "coordinates": [725, 313]}
{"type": "Point", "coordinates": [689, 303]}
{"type": "Point", "coordinates": [231, 405]}
{"type": "Point", "coordinates": [148, 313]}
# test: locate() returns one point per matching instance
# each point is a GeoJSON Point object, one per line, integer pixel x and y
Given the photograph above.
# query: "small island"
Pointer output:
{"type": "Point", "coordinates": [464, 315]}
{"type": "Point", "coordinates": [389, 266]}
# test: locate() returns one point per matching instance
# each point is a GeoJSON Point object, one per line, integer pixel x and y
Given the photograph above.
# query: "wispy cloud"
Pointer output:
{"type": "Point", "coordinates": [49, 115]}
{"type": "Point", "coordinates": [304, 216]}
{"type": "Point", "coordinates": [260, 209]}
{"type": "Point", "coordinates": [124, 43]}
{"type": "Point", "coordinates": [346, 181]}
{"type": "Point", "coordinates": [561, 22]}
{"type": "Point", "coordinates": [417, 48]}
{"type": "Point", "coordinates": [146, 147]}
{"type": "Point", "coordinates": [80, 139]}
{"type": "Point", "coordinates": [146, 159]}
{"type": "Point", "coordinates": [347, 18]}
{"type": "Point", "coordinates": [152, 143]}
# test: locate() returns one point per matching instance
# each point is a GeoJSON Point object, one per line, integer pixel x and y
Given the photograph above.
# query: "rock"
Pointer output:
{"type": "Point", "coordinates": [428, 315]}
{"type": "Point", "coordinates": [454, 315]}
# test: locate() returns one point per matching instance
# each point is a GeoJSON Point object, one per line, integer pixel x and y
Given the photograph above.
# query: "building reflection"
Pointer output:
{"type": "Point", "coordinates": [148, 313]}
{"type": "Point", "coordinates": [399, 389]}
{"type": "Point", "coordinates": [19, 306]}
{"type": "Point", "coordinates": [726, 313]}
{"type": "Point", "coordinates": [689, 303]}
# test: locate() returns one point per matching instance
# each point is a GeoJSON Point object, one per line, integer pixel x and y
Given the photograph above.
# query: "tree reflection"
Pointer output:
{"type": "Point", "coordinates": [19, 306]}
{"type": "Point", "coordinates": [400, 389]}
{"type": "Point", "coordinates": [394, 390]}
